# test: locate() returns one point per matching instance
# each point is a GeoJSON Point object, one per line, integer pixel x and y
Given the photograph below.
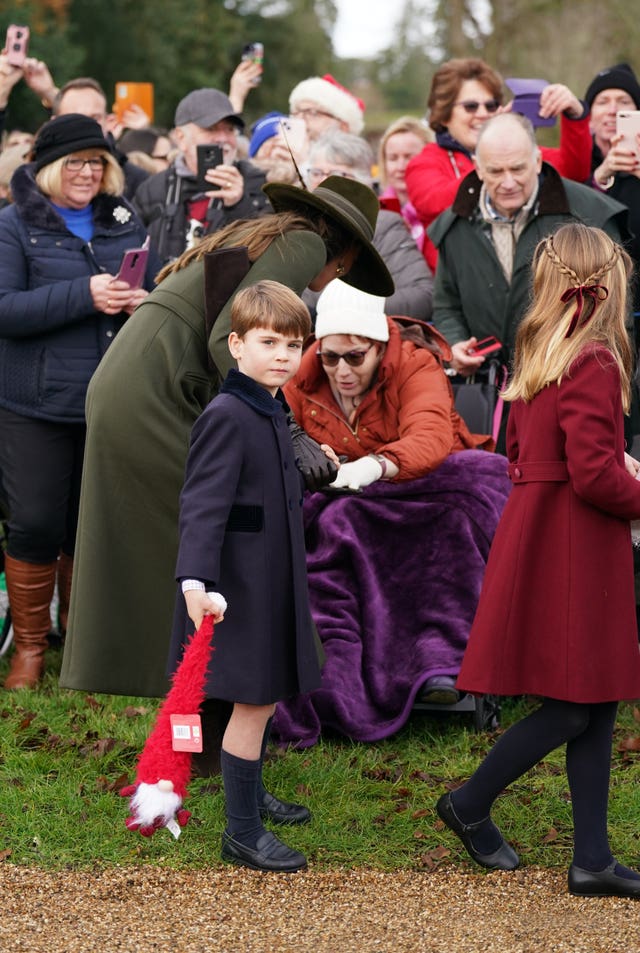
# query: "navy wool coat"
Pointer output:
{"type": "Point", "coordinates": [52, 338]}
{"type": "Point", "coordinates": [241, 531]}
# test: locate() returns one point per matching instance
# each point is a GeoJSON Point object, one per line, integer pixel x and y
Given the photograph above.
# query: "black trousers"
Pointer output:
{"type": "Point", "coordinates": [41, 469]}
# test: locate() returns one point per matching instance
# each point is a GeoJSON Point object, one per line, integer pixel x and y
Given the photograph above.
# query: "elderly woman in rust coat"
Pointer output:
{"type": "Point", "coordinates": [414, 500]}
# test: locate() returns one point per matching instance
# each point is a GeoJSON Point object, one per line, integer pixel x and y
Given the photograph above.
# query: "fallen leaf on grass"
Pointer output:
{"type": "Point", "coordinates": [5, 853]}
{"type": "Point", "coordinates": [630, 743]}
{"type": "Point", "coordinates": [550, 836]}
{"type": "Point", "coordinates": [431, 858]}
{"type": "Point", "coordinates": [132, 712]}
{"type": "Point", "coordinates": [98, 748]}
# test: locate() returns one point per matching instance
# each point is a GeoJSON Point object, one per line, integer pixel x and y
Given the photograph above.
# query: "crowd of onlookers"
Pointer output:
{"type": "Point", "coordinates": [465, 195]}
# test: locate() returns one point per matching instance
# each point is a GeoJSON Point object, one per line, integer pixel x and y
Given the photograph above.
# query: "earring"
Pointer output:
{"type": "Point", "coordinates": [339, 270]}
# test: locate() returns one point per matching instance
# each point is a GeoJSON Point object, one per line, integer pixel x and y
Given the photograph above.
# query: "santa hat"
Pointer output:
{"type": "Point", "coordinates": [160, 788]}
{"type": "Point", "coordinates": [331, 96]}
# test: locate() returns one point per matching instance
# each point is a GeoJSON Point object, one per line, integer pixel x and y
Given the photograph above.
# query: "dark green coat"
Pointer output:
{"type": "Point", "coordinates": [471, 294]}
{"type": "Point", "coordinates": [142, 402]}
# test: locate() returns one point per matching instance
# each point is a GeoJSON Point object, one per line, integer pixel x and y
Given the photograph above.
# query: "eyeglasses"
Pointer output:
{"type": "Point", "coordinates": [352, 358]}
{"type": "Point", "coordinates": [310, 113]}
{"type": "Point", "coordinates": [472, 105]}
{"type": "Point", "coordinates": [325, 173]}
{"type": "Point", "coordinates": [95, 163]}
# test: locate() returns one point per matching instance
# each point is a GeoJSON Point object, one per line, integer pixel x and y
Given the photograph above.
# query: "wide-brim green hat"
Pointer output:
{"type": "Point", "coordinates": [353, 206]}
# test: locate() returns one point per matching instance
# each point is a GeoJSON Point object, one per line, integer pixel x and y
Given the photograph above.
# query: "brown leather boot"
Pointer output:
{"type": "Point", "coordinates": [65, 571]}
{"type": "Point", "coordinates": [30, 589]}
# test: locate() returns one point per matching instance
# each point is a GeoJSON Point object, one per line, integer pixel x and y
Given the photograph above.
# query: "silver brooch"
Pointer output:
{"type": "Point", "coordinates": [121, 214]}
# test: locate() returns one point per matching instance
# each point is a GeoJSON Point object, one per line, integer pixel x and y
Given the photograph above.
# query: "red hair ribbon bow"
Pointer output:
{"type": "Point", "coordinates": [597, 293]}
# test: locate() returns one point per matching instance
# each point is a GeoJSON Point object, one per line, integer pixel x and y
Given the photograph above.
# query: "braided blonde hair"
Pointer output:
{"type": "Point", "coordinates": [554, 331]}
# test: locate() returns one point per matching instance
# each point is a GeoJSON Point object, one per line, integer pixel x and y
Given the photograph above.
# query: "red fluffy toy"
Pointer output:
{"type": "Point", "coordinates": [163, 774]}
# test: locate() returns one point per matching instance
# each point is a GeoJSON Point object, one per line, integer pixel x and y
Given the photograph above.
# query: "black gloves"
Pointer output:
{"type": "Point", "coordinates": [315, 466]}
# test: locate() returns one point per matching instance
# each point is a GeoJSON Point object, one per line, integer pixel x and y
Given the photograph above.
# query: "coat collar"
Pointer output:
{"type": "Point", "coordinates": [552, 196]}
{"type": "Point", "coordinates": [38, 212]}
{"type": "Point", "coordinates": [255, 395]}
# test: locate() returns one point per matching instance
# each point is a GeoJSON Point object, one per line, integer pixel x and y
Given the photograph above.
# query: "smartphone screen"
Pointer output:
{"type": "Point", "coordinates": [209, 156]}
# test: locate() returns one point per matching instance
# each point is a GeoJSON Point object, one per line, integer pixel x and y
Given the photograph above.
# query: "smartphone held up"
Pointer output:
{"type": "Point", "coordinates": [16, 44]}
{"type": "Point", "coordinates": [209, 156]}
{"type": "Point", "coordinates": [255, 53]}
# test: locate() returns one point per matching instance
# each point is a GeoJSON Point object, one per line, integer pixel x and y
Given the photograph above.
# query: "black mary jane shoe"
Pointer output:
{"type": "Point", "coordinates": [601, 883]}
{"type": "Point", "coordinates": [268, 854]}
{"type": "Point", "coordinates": [273, 809]}
{"type": "Point", "coordinates": [504, 858]}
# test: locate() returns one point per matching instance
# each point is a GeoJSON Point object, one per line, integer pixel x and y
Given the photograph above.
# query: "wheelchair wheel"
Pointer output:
{"type": "Point", "coordinates": [486, 715]}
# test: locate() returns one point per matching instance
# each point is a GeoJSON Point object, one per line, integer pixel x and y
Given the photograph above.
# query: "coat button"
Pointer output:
{"type": "Point", "coordinates": [314, 413]}
{"type": "Point", "coordinates": [517, 472]}
{"type": "Point", "coordinates": [109, 334]}
{"type": "Point", "coordinates": [345, 440]}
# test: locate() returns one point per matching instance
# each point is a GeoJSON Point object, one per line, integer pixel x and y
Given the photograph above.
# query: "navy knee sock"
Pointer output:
{"type": "Point", "coordinates": [240, 779]}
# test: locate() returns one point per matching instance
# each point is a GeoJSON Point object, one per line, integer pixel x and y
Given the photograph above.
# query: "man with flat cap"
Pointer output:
{"type": "Point", "coordinates": [175, 209]}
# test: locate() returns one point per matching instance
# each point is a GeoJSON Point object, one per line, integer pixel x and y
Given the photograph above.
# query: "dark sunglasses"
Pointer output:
{"type": "Point", "coordinates": [352, 358]}
{"type": "Point", "coordinates": [472, 105]}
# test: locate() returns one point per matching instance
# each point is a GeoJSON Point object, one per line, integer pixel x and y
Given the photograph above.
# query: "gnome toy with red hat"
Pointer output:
{"type": "Point", "coordinates": [164, 766]}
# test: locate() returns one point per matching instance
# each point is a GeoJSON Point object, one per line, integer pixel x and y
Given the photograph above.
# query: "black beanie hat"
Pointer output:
{"type": "Point", "coordinates": [620, 76]}
{"type": "Point", "coordinates": [65, 134]}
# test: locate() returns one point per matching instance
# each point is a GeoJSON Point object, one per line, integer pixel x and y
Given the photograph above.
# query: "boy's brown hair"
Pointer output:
{"type": "Point", "coordinates": [270, 304]}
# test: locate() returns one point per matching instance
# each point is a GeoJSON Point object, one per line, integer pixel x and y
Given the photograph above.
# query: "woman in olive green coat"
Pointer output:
{"type": "Point", "coordinates": [157, 377]}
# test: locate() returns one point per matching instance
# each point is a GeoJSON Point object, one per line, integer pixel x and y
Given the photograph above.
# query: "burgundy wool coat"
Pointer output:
{"type": "Point", "coordinates": [241, 530]}
{"type": "Point", "coordinates": [556, 615]}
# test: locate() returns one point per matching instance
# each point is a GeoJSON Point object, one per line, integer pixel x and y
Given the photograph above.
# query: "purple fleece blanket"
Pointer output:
{"type": "Point", "coordinates": [394, 577]}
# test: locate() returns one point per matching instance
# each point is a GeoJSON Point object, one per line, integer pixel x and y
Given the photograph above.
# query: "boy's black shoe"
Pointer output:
{"type": "Point", "coordinates": [268, 854]}
{"type": "Point", "coordinates": [504, 858]}
{"type": "Point", "coordinates": [273, 809]}
{"type": "Point", "coordinates": [602, 883]}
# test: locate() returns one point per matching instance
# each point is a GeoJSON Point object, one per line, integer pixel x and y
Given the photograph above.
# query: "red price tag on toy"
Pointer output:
{"type": "Point", "coordinates": [186, 733]}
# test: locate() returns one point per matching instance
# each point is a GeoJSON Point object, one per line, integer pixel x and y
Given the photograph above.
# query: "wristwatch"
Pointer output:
{"type": "Point", "coordinates": [383, 463]}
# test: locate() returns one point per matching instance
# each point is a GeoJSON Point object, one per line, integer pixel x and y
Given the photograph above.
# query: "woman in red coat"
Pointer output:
{"type": "Point", "coordinates": [556, 615]}
{"type": "Point", "coordinates": [464, 94]}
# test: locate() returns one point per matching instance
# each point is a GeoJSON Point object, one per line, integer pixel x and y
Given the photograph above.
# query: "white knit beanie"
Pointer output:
{"type": "Point", "coordinates": [342, 309]}
{"type": "Point", "coordinates": [331, 96]}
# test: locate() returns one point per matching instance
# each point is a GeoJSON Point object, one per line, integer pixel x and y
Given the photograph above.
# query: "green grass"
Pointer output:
{"type": "Point", "coordinates": [64, 756]}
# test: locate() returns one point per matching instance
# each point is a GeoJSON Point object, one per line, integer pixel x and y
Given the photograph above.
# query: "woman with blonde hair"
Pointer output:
{"type": "Point", "coordinates": [61, 306]}
{"type": "Point", "coordinates": [556, 617]}
{"type": "Point", "coordinates": [400, 142]}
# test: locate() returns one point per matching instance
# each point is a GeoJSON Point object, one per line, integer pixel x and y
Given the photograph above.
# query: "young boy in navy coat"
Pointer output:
{"type": "Point", "coordinates": [241, 532]}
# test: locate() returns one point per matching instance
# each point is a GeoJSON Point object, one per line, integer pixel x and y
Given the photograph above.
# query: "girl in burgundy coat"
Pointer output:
{"type": "Point", "coordinates": [556, 616]}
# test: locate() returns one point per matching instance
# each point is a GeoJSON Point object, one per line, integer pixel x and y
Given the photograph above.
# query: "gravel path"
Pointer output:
{"type": "Point", "coordinates": [147, 910]}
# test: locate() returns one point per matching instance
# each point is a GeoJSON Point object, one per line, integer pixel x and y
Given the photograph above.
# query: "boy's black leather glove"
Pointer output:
{"type": "Point", "coordinates": [315, 466]}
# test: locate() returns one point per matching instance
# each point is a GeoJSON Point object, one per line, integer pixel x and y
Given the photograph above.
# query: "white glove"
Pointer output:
{"type": "Point", "coordinates": [359, 473]}
{"type": "Point", "coordinates": [219, 601]}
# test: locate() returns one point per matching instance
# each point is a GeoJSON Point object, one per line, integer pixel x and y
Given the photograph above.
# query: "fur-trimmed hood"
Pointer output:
{"type": "Point", "coordinates": [37, 211]}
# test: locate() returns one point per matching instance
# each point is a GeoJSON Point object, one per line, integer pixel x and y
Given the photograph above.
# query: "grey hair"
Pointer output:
{"type": "Point", "coordinates": [506, 119]}
{"type": "Point", "coordinates": [343, 148]}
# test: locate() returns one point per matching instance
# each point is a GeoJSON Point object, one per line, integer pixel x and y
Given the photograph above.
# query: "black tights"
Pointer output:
{"type": "Point", "coordinates": [587, 731]}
